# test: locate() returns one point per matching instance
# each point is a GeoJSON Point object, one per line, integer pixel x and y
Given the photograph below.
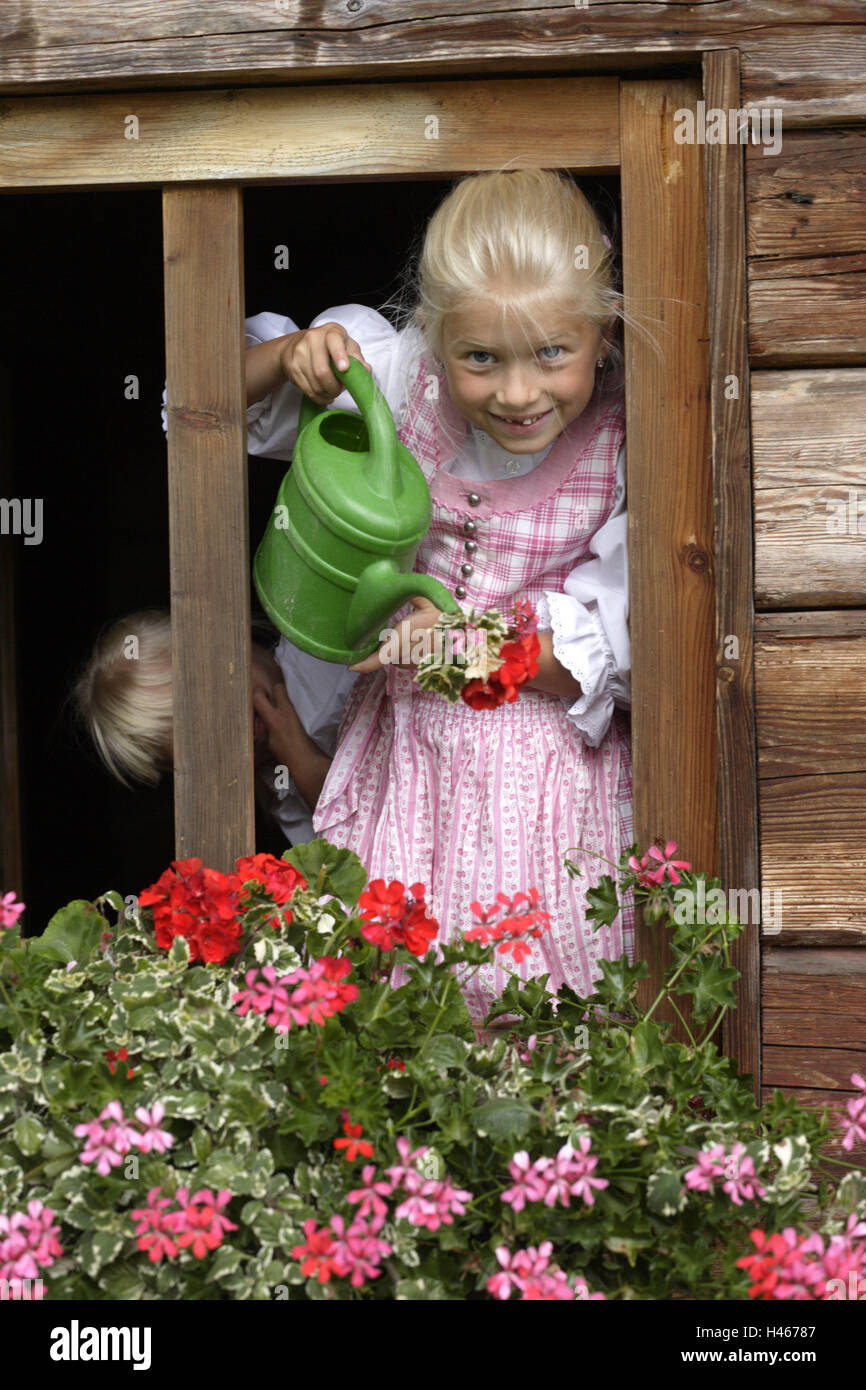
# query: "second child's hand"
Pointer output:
{"type": "Point", "coordinates": [410, 648]}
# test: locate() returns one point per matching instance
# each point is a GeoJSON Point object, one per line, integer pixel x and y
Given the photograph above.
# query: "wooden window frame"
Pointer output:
{"type": "Point", "coordinates": [688, 441]}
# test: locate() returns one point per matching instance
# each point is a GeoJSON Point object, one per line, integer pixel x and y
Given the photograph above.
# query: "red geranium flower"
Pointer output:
{"type": "Point", "coordinates": [394, 918]}
{"type": "Point", "coordinates": [276, 876]}
{"type": "Point", "coordinates": [519, 664]}
{"type": "Point", "coordinates": [115, 1057]}
{"type": "Point", "coordinates": [199, 904]}
{"type": "Point", "coordinates": [353, 1143]}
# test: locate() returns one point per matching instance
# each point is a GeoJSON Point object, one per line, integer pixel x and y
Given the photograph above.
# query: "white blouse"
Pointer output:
{"type": "Point", "coordinates": [589, 620]}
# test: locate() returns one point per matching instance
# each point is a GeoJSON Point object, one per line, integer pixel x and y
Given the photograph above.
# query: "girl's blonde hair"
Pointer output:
{"type": "Point", "coordinates": [123, 696]}
{"type": "Point", "coordinates": [519, 237]}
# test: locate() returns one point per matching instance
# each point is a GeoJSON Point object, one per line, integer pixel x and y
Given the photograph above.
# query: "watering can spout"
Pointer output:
{"type": "Point", "coordinates": [382, 589]}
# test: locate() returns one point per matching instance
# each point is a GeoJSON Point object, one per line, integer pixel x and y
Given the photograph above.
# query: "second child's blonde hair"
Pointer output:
{"type": "Point", "coordinates": [123, 696]}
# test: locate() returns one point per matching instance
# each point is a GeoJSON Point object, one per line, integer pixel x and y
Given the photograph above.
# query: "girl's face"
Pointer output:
{"type": "Point", "coordinates": [522, 381]}
{"type": "Point", "coordinates": [266, 675]}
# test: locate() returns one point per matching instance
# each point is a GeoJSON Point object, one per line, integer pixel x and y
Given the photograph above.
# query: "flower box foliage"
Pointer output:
{"type": "Point", "coordinates": [221, 1094]}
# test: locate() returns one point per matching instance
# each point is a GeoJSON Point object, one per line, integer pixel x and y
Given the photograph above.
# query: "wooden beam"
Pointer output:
{"type": "Point", "coordinates": [732, 500]}
{"type": "Point", "coordinates": [670, 540]}
{"type": "Point", "coordinates": [302, 134]}
{"type": "Point", "coordinates": [208, 524]}
{"type": "Point", "coordinates": [806, 55]}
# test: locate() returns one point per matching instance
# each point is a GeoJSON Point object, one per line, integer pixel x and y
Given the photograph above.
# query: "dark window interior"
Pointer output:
{"type": "Point", "coordinates": [82, 309]}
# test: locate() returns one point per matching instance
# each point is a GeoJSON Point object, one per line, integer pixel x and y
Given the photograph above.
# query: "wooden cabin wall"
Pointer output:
{"type": "Point", "coordinates": [806, 235]}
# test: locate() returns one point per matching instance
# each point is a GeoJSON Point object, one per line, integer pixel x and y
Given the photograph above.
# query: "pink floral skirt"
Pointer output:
{"type": "Point", "coordinates": [475, 802]}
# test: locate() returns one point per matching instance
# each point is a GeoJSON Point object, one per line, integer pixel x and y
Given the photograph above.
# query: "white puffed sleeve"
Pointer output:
{"type": "Point", "coordinates": [589, 622]}
{"type": "Point", "coordinates": [273, 421]}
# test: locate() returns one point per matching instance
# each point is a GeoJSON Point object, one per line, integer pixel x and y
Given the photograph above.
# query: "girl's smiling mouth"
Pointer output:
{"type": "Point", "coordinates": [522, 424]}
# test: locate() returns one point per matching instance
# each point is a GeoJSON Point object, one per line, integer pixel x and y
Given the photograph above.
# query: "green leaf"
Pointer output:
{"type": "Point", "coordinates": [602, 903]}
{"type": "Point", "coordinates": [344, 875]}
{"type": "Point", "coordinates": [28, 1133]}
{"type": "Point", "coordinates": [445, 1051]}
{"type": "Point", "coordinates": [504, 1118]}
{"type": "Point", "coordinates": [710, 983]}
{"type": "Point", "coordinates": [665, 1194]}
{"type": "Point", "coordinates": [224, 1262]}
{"type": "Point", "coordinates": [178, 955]}
{"type": "Point", "coordinates": [98, 1248]}
{"type": "Point", "coordinates": [73, 933]}
{"type": "Point", "coordinates": [646, 1045]}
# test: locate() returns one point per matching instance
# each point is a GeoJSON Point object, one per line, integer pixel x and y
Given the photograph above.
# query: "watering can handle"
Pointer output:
{"type": "Point", "coordinates": [383, 473]}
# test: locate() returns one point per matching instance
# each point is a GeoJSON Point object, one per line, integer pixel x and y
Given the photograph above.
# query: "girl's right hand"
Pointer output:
{"type": "Point", "coordinates": [305, 360]}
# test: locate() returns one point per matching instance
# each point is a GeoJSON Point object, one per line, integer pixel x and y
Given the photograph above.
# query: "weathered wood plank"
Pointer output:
{"type": "Point", "coordinates": [820, 622]}
{"type": "Point", "coordinates": [808, 427]}
{"type": "Point", "coordinates": [809, 1028]}
{"type": "Point", "coordinates": [808, 58]}
{"type": "Point", "coordinates": [734, 582]}
{"type": "Point", "coordinates": [299, 133]}
{"type": "Point", "coordinates": [208, 525]}
{"type": "Point", "coordinates": [809, 548]}
{"type": "Point", "coordinates": [834, 1101]}
{"type": "Point", "coordinates": [808, 312]}
{"type": "Point", "coordinates": [811, 703]}
{"type": "Point", "coordinates": [813, 850]}
{"type": "Point", "coordinates": [786, 968]}
{"type": "Point", "coordinates": [669, 485]}
{"type": "Point", "coordinates": [810, 199]}
{"type": "Point", "coordinates": [824, 1067]}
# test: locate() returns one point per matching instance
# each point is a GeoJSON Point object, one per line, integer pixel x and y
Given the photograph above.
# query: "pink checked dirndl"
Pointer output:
{"type": "Point", "coordinates": [474, 802]}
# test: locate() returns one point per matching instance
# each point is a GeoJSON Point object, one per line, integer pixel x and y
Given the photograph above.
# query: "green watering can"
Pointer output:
{"type": "Point", "coordinates": [336, 560]}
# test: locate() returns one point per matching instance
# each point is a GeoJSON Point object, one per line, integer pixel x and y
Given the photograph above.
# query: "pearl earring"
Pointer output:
{"type": "Point", "coordinates": [600, 362]}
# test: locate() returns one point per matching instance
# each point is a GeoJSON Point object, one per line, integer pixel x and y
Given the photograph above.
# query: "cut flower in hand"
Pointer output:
{"type": "Point", "coordinates": [482, 658]}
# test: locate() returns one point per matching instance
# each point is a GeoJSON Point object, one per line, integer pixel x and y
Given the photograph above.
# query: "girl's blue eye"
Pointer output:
{"type": "Point", "coordinates": [550, 348]}
{"type": "Point", "coordinates": [480, 352]}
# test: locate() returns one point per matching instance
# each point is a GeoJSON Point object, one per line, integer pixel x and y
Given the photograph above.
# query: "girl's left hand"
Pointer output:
{"type": "Point", "coordinates": [404, 645]}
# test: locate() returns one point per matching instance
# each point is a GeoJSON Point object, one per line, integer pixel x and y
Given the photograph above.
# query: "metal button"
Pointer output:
{"type": "Point", "coordinates": [460, 592]}
{"type": "Point", "coordinates": [466, 570]}
{"type": "Point", "coordinates": [470, 547]}
{"type": "Point", "coordinates": [473, 499]}
{"type": "Point", "coordinates": [469, 528]}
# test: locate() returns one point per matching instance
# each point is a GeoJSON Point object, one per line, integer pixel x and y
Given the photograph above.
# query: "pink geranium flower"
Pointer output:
{"type": "Point", "coordinates": [10, 910]}
{"type": "Point", "coordinates": [99, 1148]}
{"type": "Point", "coordinates": [405, 1173]}
{"type": "Point", "coordinates": [369, 1198]}
{"type": "Point", "coordinates": [152, 1137]}
{"type": "Point", "coordinates": [667, 863]}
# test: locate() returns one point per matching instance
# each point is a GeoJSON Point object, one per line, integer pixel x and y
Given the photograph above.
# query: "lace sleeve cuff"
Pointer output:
{"type": "Point", "coordinates": [580, 645]}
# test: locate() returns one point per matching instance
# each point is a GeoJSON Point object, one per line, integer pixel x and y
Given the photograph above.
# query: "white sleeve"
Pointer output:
{"type": "Point", "coordinates": [273, 428]}
{"type": "Point", "coordinates": [589, 622]}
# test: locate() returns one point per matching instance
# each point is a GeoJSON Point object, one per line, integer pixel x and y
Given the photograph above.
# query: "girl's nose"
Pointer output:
{"type": "Point", "coordinates": [518, 392]}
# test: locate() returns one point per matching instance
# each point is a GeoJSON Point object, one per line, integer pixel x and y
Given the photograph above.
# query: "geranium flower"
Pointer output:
{"type": "Point", "coordinates": [121, 1134]}
{"type": "Point", "coordinates": [155, 1227]}
{"type": "Point", "coordinates": [99, 1148]}
{"type": "Point", "coordinates": [369, 1197]}
{"type": "Point", "coordinates": [742, 1181]}
{"type": "Point", "coordinates": [357, 1251]}
{"type": "Point", "coordinates": [318, 1253]}
{"type": "Point", "coordinates": [854, 1124]}
{"type": "Point", "coordinates": [353, 1143]}
{"type": "Point", "coordinates": [405, 1173]}
{"type": "Point", "coordinates": [199, 904]}
{"type": "Point", "coordinates": [529, 1182]}
{"type": "Point", "coordinates": [276, 876]}
{"type": "Point", "coordinates": [710, 1165]}
{"type": "Point", "coordinates": [200, 1223]}
{"type": "Point", "coordinates": [114, 1057]}
{"type": "Point", "coordinates": [10, 910]}
{"type": "Point", "coordinates": [392, 917]}
{"type": "Point", "coordinates": [152, 1137]}
{"type": "Point", "coordinates": [667, 863]}
{"type": "Point", "coordinates": [647, 877]}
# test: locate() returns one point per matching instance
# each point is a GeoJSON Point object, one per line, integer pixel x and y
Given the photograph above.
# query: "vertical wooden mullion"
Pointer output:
{"type": "Point", "coordinates": [208, 522]}
{"type": "Point", "coordinates": [670, 500]}
{"type": "Point", "coordinates": [735, 702]}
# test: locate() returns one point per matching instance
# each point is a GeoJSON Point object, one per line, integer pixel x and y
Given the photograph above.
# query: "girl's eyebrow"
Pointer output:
{"type": "Point", "coordinates": [548, 342]}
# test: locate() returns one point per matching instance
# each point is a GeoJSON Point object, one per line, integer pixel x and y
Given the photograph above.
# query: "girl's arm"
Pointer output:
{"type": "Point", "coordinates": [291, 746]}
{"type": "Point", "coordinates": [552, 676]}
{"type": "Point", "coordinates": [264, 368]}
